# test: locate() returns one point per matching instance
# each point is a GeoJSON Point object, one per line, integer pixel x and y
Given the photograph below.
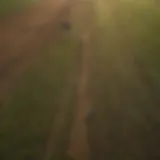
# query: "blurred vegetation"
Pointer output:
{"type": "Point", "coordinates": [7, 6]}
{"type": "Point", "coordinates": [27, 119]}
{"type": "Point", "coordinates": [121, 26]}
{"type": "Point", "coordinates": [137, 21]}
{"type": "Point", "coordinates": [126, 44]}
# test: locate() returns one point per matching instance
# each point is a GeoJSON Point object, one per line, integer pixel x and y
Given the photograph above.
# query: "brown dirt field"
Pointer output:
{"type": "Point", "coordinates": [23, 35]}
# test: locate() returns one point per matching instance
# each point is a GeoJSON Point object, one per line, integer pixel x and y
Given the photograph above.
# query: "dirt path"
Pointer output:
{"type": "Point", "coordinates": [23, 35]}
{"type": "Point", "coordinates": [60, 123]}
{"type": "Point", "coordinates": [78, 148]}
{"type": "Point", "coordinates": [78, 143]}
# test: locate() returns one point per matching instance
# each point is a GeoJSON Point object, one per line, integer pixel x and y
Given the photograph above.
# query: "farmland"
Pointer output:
{"type": "Point", "coordinates": [107, 63]}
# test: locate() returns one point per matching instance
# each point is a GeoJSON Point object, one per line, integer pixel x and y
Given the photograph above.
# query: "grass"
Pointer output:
{"type": "Point", "coordinates": [129, 25]}
{"type": "Point", "coordinates": [139, 22]}
{"type": "Point", "coordinates": [124, 118]}
{"type": "Point", "coordinates": [125, 130]}
{"type": "Point", "coordinates": [7, 6]}
{"type": "Point", "coordinates": [28, 117]}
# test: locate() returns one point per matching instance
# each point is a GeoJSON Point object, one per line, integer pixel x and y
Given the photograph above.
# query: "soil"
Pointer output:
{"type": "Point", "coordinates": [23, 35]}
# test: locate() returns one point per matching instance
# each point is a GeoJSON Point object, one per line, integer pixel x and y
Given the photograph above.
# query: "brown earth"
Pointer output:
{"type": "Point", "coordinates": [23, 35]}
{"type": "Point", "coordinates": [123, 99]}
{"type": "Point", "coordinates": [79, 147]}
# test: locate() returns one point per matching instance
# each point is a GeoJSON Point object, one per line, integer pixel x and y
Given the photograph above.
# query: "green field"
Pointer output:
{"type": "Point", "coordinates": [136, 21]}
{"type": "Point", "coordinates": [124, 126]}
{"type": "Point", "coordinates": [125, 80]}
{"type": "Point", "coordinates": [29, 115]}
{"type": "Point", "coordinates": [8, 6]}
